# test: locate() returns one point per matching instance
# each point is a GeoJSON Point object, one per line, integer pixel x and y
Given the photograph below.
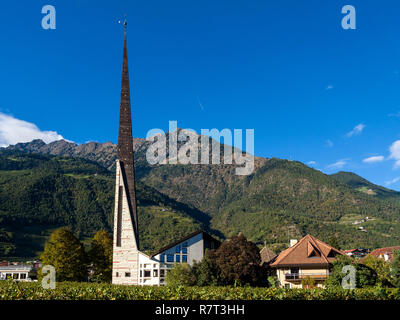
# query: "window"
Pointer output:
{"type": "Point", "coordinates": [127, 274]}
{"type": "Point", "coordinates": [294, 270]}
{"type": "Point", "coordinates": [117, 274]}
{"type": "Point", "coordinates": [185, 244]}
{"type": "Point", "coordinates": [147, 273]}
{"type": "Point", "coordinates": [15, 275]}
{"type": "Point", "coordinates": [119, 216]}
{"type": "Point", "coordinates": [162, 257]}
{"type": "Point", "coordinates": [23, 276]}
{"type": "Point", "coordinates": [178, 249]}
{"type": "Point", "coordinates": [141, 273]}
{"type": "Point", "coordinates": [155, 273]}
{"type": "Point", "coordinates": [184, 250]}
{"type": "Point", "coordinates": [170, 258]}
{"type": "Point", "coordinates": [162, 273]}
{"type": "Point", "coordinates": [178, 258]}
{"type": "Point", "coordinates": [184, 258]}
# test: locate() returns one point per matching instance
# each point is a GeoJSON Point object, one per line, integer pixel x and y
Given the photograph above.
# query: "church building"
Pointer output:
{"type": "Point", "coordinates": [130, 265]}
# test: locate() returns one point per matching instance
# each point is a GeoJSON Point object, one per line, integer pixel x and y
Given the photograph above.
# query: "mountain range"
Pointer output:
{"type": "Point", "coordinates": [281, 199]}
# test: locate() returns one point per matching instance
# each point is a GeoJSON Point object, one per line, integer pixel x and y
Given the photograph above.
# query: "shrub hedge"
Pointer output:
{"type": "Point", "coordinates": [10, 290]}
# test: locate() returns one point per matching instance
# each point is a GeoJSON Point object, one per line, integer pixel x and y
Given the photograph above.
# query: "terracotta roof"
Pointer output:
{"type": "Point", "coordinates": [381, 251]}
{"type": "Point", "coordinates": [348, 251]}
{"type": "Point", "coordinates": [266, 255]}
{"type": "Point", "coordinates": [308, 251]}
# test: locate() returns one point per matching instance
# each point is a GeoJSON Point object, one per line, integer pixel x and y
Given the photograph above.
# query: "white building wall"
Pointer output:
{"type": "Point", "coordinates": [194, 251]}
{"type": "Point", "coordinates": [125, 257]}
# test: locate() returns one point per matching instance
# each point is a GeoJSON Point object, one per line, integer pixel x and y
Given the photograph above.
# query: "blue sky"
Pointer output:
{"type": "Point", "coordinates": [286, 69]}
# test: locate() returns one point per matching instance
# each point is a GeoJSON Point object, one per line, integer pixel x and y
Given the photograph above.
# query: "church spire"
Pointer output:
{"type": "Point", "coordinates": [125, 140]}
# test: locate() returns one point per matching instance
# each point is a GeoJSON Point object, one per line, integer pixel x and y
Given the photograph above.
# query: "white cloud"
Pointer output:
{"type": "Point", "coordinates": [338, 164]}
{"type": "Point", "coordinates": [329, 87]}
{"type": "Point", "coordinates": [13, 131]}
{"type": "Point", "coordinates": [329, 143]}
{"type": "Point", "coordinates": [374, 159]}
{"type": "Point", "coordinates": [311, 163]}
{"type": "Point", "coordinates": [388, 183]}
{"type": "Point", "coordinates": [395, 153]}
{"type": "Point", "coordinates": [356, 130]}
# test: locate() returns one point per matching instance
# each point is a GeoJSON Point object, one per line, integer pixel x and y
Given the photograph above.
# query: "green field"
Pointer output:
{"type": "Point", "coordinates": [90, 291]}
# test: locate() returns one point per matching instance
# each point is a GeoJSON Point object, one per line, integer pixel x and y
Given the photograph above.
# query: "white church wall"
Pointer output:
{"type": "Point", "coordinates": [125, 253]}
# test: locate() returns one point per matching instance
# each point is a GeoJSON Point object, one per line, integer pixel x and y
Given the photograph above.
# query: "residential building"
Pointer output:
{"type": "Point", "coordinates": [357, 253]}
{"type": "Point", "coordinates": [385, 253]}
{"type": "Point", "coordinates": [309, 258]}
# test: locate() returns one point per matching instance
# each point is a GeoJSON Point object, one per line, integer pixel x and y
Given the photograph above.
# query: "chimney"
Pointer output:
{"type": "Point", "coordinates": [292, 242]}
{"type": "Point", "coordinates": [386, 256]}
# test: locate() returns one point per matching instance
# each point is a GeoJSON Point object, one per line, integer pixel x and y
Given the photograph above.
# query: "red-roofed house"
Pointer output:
{"type": "Point", "coordinates": [308, 258]}
{"type": "Point", "coordinates": [385, 253]}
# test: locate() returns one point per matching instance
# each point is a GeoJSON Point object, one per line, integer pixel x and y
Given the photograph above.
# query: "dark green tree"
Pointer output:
{"type": "Point", "coordinates": [100, 256]}
{"type": "Point", "coordinates": [334, 242]}
{"type": "Point", "coordinates": [396, 269]}
{"type": "Point", "coordinates": [66, 253]}
{"type": "Point", "coordinates": [207, 272]}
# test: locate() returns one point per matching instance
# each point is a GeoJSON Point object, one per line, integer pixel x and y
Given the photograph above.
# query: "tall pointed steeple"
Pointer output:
{"type": "Point", "coordinates": [125, 141]}
{"type": "Point", "coordinates": [126, 234]}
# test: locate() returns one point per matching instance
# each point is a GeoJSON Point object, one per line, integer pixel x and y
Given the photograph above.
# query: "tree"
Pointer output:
{"type": "Point", "coordinates": [308, 283]}
{"type": "Point", "coordinates": [381, 267]}
{"type": "Point", "coordinates": [207, 272]}
{"type": "Point", "coordinates": [396, 269]}
{"type": "Point", "coordinates": [100, 255]}
{"type": "Point", "coordinates": [239, 261]}
{"type": "Point", "coordinates": [66, 254]}
{"type": "Point", "coordinates": [365, 276]}
{"type": "Point", "coordinates": [181, 275]}
{"type": "Point", "coordinates": [334, 242]}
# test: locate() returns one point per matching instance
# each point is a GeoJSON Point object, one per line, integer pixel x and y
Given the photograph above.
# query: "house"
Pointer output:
{"type": "Point", "coordinates": [356, 253]}
{"type": "Point", "coordinates": [309, 258]}
{"type": "Point", "coordinates": [385, 253]}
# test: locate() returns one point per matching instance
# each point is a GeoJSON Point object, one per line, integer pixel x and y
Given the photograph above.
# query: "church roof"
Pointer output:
{"type": "Point", "coordinates": [309, 251]}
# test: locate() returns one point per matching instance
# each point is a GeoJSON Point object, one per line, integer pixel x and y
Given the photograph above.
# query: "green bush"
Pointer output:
{"type": "Point", "coordinates": [181, 275]}
{"type": "Point", "coordinates": [10, 290]}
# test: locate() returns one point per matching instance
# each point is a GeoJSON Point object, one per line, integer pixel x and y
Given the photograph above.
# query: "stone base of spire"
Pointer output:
{"type": "Point", "coordinates": [125, 251]}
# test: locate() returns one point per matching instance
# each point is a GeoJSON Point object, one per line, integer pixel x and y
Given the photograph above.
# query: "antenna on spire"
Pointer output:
{"type": "Point", "coordinates": [124, 23]}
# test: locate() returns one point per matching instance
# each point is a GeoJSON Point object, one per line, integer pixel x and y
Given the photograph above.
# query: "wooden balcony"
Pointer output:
{"type": "Point", "coordinates": [302, 276]}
